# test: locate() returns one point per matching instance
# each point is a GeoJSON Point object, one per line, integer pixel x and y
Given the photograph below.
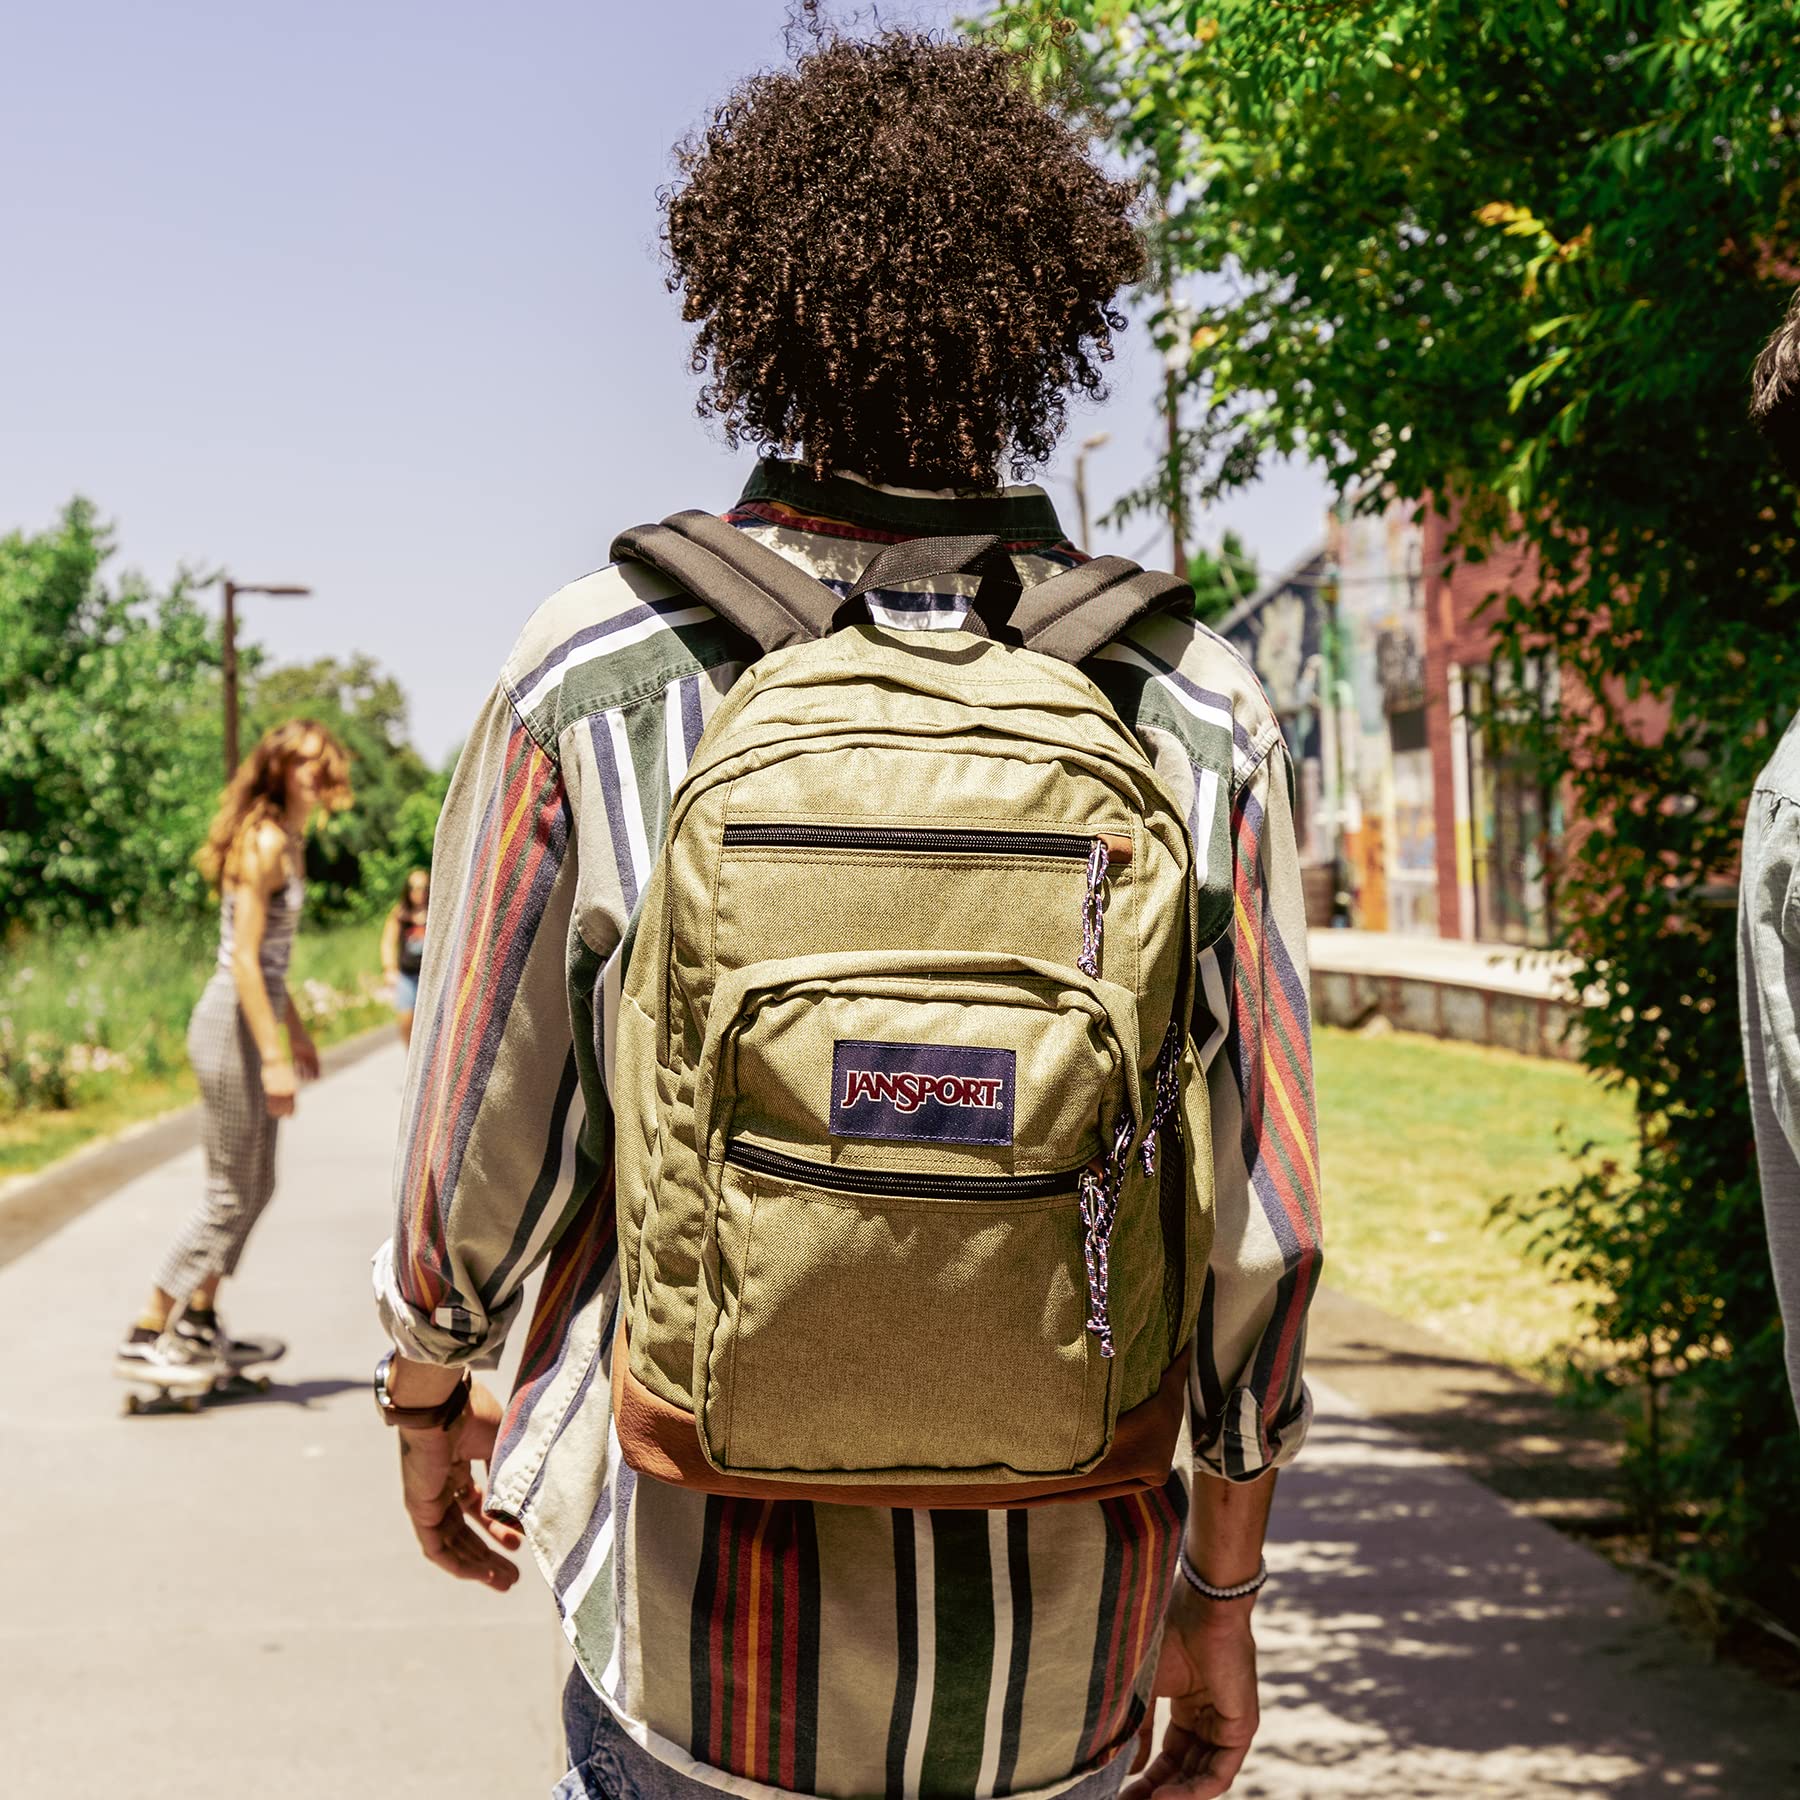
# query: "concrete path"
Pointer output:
{"type": "Point", "coordinates": [230, 1605]}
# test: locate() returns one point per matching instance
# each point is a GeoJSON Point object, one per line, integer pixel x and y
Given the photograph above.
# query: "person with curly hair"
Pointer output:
{"type": "Point", "coordinates": [901, 269]}
{"type": "Point", "coordinates": [1769, 904]}
{"type": "Point", "coordinates": [248, 1075]}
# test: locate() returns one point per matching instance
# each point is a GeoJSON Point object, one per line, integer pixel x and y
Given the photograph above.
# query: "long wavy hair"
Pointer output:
{"type": "Point", "coordinates": [259, 791]}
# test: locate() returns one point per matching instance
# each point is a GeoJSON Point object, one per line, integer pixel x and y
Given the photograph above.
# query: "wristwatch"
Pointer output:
{"type": "Point", "coordinates": [419, 1418]}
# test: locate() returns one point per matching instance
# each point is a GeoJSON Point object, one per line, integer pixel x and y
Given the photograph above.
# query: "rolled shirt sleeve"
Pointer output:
{"type": "Point", "coordinates": [497, 1149]}
{"type": "Point", "coordinates": [1248, 1405]}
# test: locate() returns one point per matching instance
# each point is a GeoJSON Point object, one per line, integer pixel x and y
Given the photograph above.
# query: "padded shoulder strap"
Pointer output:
{"type": "Point", "coordinates": [760, 592]}
{"type": "Point", "coordinates": [1072, 615]}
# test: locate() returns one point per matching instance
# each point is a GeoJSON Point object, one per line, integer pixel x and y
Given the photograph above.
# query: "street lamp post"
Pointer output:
{"type": "Point", "coordinates": [1081, 501]}
{"type": "Point", "coordinates": [228, 660]}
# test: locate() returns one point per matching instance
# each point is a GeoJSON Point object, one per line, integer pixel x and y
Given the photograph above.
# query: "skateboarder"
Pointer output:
{"type": "Point", "coordinates": [900, 269]}
{"type": "Point", "coordinates": [253, 855]}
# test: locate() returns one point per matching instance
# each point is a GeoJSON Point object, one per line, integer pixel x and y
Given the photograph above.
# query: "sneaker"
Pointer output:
{"type": "Point", "coordinates": [207, 1331]}
{"type": "Point", "coordinates": [164, 1357]}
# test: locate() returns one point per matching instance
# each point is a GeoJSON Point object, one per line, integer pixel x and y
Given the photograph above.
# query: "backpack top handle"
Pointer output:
{"type": "Point", "coordinates": [919, 559]}
{"type": "Point", "coordinates": [775, 603]}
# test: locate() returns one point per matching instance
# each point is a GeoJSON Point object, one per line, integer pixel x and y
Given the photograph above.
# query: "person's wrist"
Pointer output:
{"type": "Point", "coordinates": [413, 1384]}
{"type": "Point", "coordinates": [1221, 1618]}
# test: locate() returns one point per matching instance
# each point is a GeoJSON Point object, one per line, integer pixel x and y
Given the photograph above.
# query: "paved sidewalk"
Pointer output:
{"type": "Point", "coordinates": [230, 1605]}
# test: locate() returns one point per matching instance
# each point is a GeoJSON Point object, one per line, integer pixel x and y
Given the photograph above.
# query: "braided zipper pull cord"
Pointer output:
{"type": "Point", "coordinates": [1099, 1208]}
{"type": "Point", "coordinates": [1093, 909]}
{"type": "Point", "coordinates": [1166, 1106]}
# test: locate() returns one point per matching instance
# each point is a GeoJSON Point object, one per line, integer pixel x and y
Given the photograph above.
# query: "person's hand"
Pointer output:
{"type": "Point", "coordinates": [306, 1053]}
{"type": "Point", "coordinates": [1207, 1670]}
{"type": "Point", "coordinates": [278, 1088]}
{"type": "Point", "coordinates": [443, 1498]}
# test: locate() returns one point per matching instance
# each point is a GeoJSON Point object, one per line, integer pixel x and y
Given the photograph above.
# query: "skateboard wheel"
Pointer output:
{"type": "Point", "coordinates": [190, 1403]}
{"type": "Point", "coordinates": [131, 1406]}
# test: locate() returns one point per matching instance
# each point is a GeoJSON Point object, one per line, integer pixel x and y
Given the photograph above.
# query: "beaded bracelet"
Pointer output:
{"type": "Point", "coordinates": [1201, 1585]}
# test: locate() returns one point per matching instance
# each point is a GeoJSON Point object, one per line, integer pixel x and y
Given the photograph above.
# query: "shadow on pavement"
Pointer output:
{"type": "Point", "coordinates": [1422, 1639]}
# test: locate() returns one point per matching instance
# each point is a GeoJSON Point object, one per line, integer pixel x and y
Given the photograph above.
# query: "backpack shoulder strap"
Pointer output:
{"type": "Point", "coordinates": [1072, 615]}
{"type": "Point", "coordinates": [749, 585]}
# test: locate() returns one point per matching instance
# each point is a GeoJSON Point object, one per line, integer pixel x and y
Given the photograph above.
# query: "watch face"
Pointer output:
{"type": "Point", "coordinates": [381, 1381]}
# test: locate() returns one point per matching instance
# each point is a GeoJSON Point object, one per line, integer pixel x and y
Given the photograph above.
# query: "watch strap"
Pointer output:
{"type": "Point", "coordinates": [420, 1418]}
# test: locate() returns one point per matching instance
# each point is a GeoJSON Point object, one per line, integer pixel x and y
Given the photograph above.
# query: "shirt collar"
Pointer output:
{"type": "Point", "coordinates": [1015, 515]}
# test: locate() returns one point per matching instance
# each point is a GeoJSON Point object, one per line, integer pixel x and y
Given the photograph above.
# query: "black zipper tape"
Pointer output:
{"type": "Point", "coordinates": [892, 1182]}
{"type": "Point", "coordinates": [924, 841]}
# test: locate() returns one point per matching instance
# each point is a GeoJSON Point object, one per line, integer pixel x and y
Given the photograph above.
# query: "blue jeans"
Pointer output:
{"type": "Point", "coordinates": [607, 1764]}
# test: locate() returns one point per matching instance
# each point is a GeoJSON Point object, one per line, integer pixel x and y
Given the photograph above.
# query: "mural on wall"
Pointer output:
{"type": "Point", "coordinates": [1281, 632]}
{"type": "Point", "coordinates": [1338, 643]}
{"type": "Point", "coordinates": [1390, 825]}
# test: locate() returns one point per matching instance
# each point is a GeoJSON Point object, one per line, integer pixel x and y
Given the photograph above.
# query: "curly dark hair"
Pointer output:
{"type": "Point", "coordinates": [1775, 390]}
{"type": "Point", "coordinates": [900, 263]}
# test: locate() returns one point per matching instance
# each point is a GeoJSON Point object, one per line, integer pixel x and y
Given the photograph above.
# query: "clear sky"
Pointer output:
{"type": "Point", "coordinates": [366, 297]}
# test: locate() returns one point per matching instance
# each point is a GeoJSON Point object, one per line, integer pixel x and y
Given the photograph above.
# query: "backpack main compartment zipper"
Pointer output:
{"type": "Point", "coordinates": [899, 1181]}
{"type": "Point", "coordinates": [927, 840]}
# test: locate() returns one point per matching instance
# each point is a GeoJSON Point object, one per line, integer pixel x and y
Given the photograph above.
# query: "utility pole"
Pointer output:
{"type": "Point", "coordinates": [1177, 552]}
{"type": "Point", "coordinates": [228, 663]}
{"type": "Point", "coordinates": [1081, 497]}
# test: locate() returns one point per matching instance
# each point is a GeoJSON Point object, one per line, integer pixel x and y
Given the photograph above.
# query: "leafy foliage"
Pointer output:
{"type": "Point", "coordinates": [111, 745]}
{"type": "Point", "coordinates": [1519, 258]}
{"type": "Point", "coordinates": [110, 740]}
{"type": "Point", "coordinates": [1222, 578]}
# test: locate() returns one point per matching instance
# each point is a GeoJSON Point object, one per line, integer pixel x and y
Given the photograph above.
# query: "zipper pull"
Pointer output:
{"type": "Point", "coordinates": [1109, 848]}
{"type": "Point", "coordinates": [1165, 1106]}
{"type": "Point", "coordinates": [1101, 1181]}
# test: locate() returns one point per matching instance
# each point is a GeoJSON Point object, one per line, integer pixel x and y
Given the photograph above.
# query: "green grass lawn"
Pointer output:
{"type": "Point", "coordinates": [1418, 1139]}
{"type": "Point", "coordinates": [93, 1025]}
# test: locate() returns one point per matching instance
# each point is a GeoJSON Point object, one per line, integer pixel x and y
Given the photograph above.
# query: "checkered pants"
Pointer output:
{"type": "Point", "coordinates": [239, 1139]}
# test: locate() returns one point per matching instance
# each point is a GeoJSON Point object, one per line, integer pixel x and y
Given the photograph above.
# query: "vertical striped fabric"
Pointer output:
{"type": "Point", "coordinates": [818, 1649]}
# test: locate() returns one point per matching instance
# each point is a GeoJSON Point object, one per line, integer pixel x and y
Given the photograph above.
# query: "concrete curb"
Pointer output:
{"type": "Point", "coordinates": [34, 1207]}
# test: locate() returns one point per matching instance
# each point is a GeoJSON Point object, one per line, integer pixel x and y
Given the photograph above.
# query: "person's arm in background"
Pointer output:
{"type": "Point", "coordinates": [1247, 1404]}
{"type": "Point", "coordinates": [481, 1118]}
{"type": "Point", "coordinates": [390, 948]}
{"type": "Point", "coordinates": [261, 870]}
{"type": "Point", "coordinates": [1769, 975]}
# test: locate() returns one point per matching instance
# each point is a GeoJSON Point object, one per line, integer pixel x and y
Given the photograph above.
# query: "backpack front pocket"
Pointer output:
{"type": "Point", "coordinates": [870, 1330]}
{"type": "Point", "coordinates": [896, 1263]}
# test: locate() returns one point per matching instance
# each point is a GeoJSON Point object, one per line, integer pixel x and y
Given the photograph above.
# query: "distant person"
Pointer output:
{"type": "Point", "coordinates": [403, 948]}
{"type": "Point", "coordinates": [1769, 905]}
{"type": "Point", "coordinates": [248, 1074]}
{"type": "Point", "coordinates": [903, 272]}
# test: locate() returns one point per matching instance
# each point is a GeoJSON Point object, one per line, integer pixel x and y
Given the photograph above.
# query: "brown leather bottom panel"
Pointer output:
{"type": "Point", "coordinates": [663, 1442]}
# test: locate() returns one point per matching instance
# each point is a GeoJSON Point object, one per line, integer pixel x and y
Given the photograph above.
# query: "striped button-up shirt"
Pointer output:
{"type": "Point", "coordinates": [831, 1650]}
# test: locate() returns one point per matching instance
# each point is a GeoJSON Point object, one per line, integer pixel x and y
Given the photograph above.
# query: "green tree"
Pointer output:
{"type": "Point", "coordinates": [355, 859]}
{"type": "Point", "coordinates": [1519, 258]}
{"type": "Point", "coordinates": [109, 731]}
{"type": "Point", "coordinates": [1222, 578]}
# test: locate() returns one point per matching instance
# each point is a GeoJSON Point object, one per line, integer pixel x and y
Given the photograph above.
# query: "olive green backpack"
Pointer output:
{"type": "Point", "coordinates": [914, 1175]}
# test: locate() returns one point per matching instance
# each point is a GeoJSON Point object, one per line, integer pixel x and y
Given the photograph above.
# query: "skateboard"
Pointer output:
{"type": "Point", "coordinates": [146, 1393]}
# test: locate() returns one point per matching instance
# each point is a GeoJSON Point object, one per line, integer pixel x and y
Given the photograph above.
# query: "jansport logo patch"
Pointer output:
{"type": "Point", "coordinates": [945, 1093]}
